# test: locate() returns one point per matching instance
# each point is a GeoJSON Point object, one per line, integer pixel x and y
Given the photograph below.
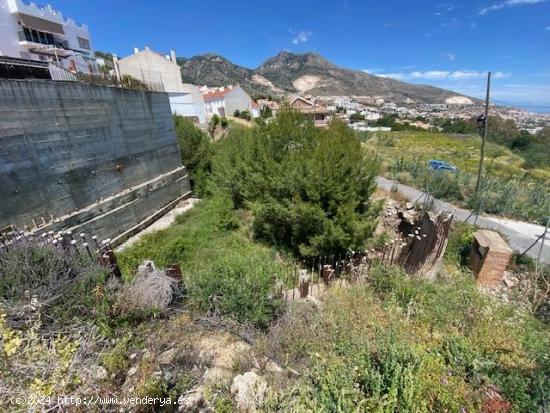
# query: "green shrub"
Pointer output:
{"type": "Point", "coordinates": [239, 286]}
{"type": "Point", "coordinates": [400, 344]}
{"type": "Point", "coordinates": [195, 149]}
{"type": "Point", "coordinates": [309, 189]}
{"type": "Point", "coordinates": [459, 244]}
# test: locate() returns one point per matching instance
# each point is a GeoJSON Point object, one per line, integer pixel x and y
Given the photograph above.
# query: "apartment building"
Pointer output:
{"type": "Point", "coordinates": [33, 32]}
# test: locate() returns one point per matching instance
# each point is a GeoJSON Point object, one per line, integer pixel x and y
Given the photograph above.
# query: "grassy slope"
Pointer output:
{"type": "Point", "coordinates": [461, 151]}
{"type": "Point", "coordinates": [412, 345]}
{"type": "Point", "coordinates": [395, 344]}
{"type": "Point", "coordinates": [224, 270]}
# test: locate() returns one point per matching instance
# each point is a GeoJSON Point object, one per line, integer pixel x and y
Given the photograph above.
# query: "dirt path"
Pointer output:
{"type": "Point", "coordinates": [162, 223]}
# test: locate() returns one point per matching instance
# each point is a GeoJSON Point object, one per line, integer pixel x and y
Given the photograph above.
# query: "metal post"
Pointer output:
{"type": "Point", "coordinates": [484, 136]}
{"type": "Point", "coordinates": [542, 244]}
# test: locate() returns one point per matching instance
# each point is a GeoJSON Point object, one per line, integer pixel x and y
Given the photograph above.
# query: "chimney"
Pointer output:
{"type": "Point", "coordinates": [117, 69]}
{"type": "Point", "coordinates": [173, 55]}
{"type": "Point", "coordinates": [136, 50]}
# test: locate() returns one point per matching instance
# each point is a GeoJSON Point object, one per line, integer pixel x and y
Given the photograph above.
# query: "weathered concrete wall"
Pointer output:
{"type": "Point", "coordinates": [65, 146]}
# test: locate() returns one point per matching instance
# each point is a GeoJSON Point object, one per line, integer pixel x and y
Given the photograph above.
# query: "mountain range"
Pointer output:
{"type": "Point", "coordinates": [308, 74]}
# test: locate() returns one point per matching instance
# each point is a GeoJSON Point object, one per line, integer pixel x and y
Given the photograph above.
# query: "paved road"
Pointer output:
{"type": "Point", "coordinates": [520, 234]}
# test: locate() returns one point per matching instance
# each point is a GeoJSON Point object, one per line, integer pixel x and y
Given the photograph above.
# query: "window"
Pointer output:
{"type": "Point", "coordinates": [28, 36]}
{"type": "Point", "coordinates": [35, 37]}
{"type": "Point", "coordinates": [84, 43]}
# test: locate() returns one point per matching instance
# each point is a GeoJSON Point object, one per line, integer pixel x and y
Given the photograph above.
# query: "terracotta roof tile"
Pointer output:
{"type": "Point", "coordinates": [215, 95]}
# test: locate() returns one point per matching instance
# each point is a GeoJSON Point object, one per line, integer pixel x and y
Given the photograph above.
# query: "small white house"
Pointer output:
{"type": "Point", "coordinates": [224, 101]}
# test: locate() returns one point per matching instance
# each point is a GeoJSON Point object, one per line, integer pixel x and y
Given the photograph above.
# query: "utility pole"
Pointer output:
{"type": "Point", "coordinates": [542, 244]}
{"type": "Point", "coordinates": [484, 135]}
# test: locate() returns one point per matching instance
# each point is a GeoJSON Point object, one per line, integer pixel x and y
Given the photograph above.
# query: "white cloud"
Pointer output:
{"type": "Point", "coordinates": [372, 71]}
{"type": "Point", "coordinates": [430, 74]}
{"type": "Point", "coordinates": [507, 4]}
{"type": "Point", "coordinates": [302, 37]}
{"type": "Point", "coordinates": [451, 56]}
{"type": "Point", "coordinates": [501, 75]}
{"type": "Point", "coordinates": [465, 74]}
{"type": "Point", "coordinates": [392, 75]}
{"type": "Point", "coordinates": [457, 75]}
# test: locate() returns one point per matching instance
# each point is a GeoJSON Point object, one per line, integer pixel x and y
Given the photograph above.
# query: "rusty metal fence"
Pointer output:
{"type": "Point", "coordinates": [419, 252]}
{"type": "Point", "coordinates": [67, 242]}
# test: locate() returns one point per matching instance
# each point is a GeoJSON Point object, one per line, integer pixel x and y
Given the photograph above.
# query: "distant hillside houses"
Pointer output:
{"type": "Point", "coordinates": [226, 100]}
{"type": "Point", "coordinates": [317, 113]}
{"type": "Point", "coordinates": [161, 73]}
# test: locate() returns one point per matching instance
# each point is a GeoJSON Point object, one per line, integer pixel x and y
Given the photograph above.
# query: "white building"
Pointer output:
{"type": "Point", "coordinates": [162, 73]}
{"type": "Point", "coordinates": [28, 31]}
{"type": "Point", "coordinates": [224, 101]}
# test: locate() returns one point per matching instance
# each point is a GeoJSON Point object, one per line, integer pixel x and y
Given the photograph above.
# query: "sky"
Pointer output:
{"type": "Point", "coordinates": [450, 44]}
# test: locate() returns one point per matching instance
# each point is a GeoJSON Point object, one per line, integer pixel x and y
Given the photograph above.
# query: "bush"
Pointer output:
{"type": "Point", "coordinates": [61, 284]}
{"type": "Point", "coordinates": [224, 272]}
{"type": "Point", "coordinates": [309, 189]}
{"type": "Point", "coordinates": [194, 147]}
{"type": "Point", "coordinates": [401, 344]}
{"type": "Point", "coordinates": [54, 312]}
{"type": "Point", "coordinates": [240, 286]}
{"type": "Point", "coordinates": [459, 244]}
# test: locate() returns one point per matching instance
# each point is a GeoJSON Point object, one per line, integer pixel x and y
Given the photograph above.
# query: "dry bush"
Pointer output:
{"type": "Point", "coordinates": [42, 282]}
{"type": "Point", "coordinates": [150, 290]}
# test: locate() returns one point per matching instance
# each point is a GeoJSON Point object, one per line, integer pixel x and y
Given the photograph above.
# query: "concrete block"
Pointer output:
{"type": "Point", "coordinates": [489, 258]}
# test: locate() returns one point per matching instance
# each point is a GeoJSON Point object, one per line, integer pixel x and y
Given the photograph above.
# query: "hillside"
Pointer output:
{"type": "Point", "coordinates": [307, 73]}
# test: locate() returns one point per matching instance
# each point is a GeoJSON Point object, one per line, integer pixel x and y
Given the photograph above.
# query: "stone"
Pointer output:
{"type": "Point", "coordinates": [132, 371]}
{"type": "Point", "coordinates": [167, 357]}
{"type": "Point", "coordinates": [99, 372]}
{"type": "Point", "coordinates": [192, 400]}
{"type": "Point", "coordinates": [249, 391]}
{"type": "Point", "coordinates": [508, 282]}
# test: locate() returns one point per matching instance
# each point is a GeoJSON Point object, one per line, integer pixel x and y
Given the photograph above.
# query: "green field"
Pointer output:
{"type": "Point", "coordinates": [510, 189]}
{"type": "Point", "coordinates": [463, 151]}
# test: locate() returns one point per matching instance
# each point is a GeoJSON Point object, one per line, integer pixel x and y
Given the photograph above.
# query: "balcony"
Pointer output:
{"type": "Point", "coordinates": [44, 43]}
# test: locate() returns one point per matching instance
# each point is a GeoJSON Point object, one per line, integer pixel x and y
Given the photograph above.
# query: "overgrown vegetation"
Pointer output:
{"type": "Point", "coordinates": [224, 271]}
{"type": "Point", "coordinates": [47, 296]}
{"type": "Point", "coordinates": [534, 149]}
{"type": "Point", "coordinates": [508, 188]}
{"type": "Point", "coordinates": [194, 146]}
{"type": "Point", "coordinates": [309, 189]}
{"type": "Point", "coordinates": [403, 345]}
{"type": "Point", "coordinates": [391, 344]}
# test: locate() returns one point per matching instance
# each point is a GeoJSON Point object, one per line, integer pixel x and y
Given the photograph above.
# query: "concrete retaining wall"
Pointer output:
{"type": "Point", "coordinates": [66, 146]}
